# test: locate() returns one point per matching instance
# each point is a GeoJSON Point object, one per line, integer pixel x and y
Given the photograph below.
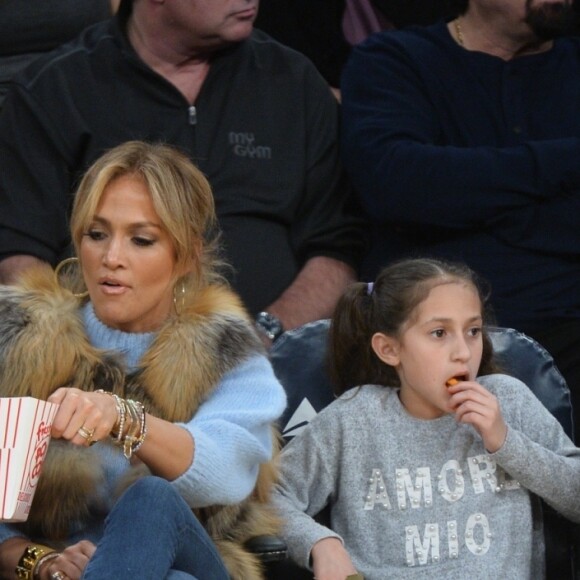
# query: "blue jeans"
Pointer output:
{"type": "Point", "coordinates": [151, 533]}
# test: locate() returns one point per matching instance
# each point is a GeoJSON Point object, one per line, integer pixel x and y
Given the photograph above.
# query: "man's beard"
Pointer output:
{"type": "Point", "coordinates": [551, 20]}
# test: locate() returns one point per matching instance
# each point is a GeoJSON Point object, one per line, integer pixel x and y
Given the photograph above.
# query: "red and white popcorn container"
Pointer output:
{"type": "Point", "coordinates": [25, 425]}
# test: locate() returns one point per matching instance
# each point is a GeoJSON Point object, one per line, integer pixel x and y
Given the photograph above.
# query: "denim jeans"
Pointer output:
{"type": "Point", "coordinates": [152, 534]}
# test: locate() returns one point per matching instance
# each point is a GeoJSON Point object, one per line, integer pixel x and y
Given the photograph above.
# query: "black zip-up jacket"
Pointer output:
{"type": "Point", "coordinates": [263, 130]}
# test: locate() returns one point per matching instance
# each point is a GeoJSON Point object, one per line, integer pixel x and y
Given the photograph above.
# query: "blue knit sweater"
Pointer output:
{"type": "Point", "coordinates": [232, 431]}
{"type": "Point", "coordinates": [462, 155]}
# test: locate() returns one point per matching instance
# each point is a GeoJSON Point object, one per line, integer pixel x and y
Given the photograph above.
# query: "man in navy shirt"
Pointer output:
{"type": "Point", "coordinates": [463, 141]}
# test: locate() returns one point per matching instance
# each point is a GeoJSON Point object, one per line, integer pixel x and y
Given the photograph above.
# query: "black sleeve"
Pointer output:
{"type": "Point", "coordinates": [329, 221]}
{"type": "Point", "coordinates": [35, 178]}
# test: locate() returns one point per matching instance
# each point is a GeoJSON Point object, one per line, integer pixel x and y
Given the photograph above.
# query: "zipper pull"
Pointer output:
{"type": "Point", "coordinates": [192, 115]}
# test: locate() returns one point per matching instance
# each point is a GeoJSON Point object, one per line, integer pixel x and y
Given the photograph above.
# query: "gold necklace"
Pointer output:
{"type": "Point", "coordinates": [459, 33]}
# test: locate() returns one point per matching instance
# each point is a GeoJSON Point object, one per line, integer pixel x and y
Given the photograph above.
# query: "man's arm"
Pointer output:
{"type": "Point", "coordinates": [13, 266]}
{"type": "Point", "coordinates": [314, 292]}
{"type": "Point", "coordinates": [552, 227]}
{"type": "Point", "coordinates": [419, 156]}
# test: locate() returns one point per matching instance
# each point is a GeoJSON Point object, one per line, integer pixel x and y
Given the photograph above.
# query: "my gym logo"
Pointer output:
{"type": "Point", "coordinates": [243, 145]}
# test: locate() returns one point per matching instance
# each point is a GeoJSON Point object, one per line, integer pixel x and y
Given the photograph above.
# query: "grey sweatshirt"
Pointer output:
{"type": "Point", "coordinates": [414, 498]}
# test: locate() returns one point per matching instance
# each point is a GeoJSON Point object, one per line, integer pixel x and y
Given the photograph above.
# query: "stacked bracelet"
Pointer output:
{"type": "Point", "coordinates": [130, 428]}
{"type": "Point", "coordinates": [136, 430]}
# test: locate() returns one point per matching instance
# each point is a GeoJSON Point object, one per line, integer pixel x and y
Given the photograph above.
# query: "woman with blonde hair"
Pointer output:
{"type": "Point", "coordinates": [158, 371]}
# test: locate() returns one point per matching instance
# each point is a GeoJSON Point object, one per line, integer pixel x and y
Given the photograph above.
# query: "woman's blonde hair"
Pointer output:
{"type": "Point", "coordinates": [181, 196]}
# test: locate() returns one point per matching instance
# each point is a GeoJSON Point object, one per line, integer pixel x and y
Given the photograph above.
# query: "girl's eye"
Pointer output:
{"type": "Point", "coordinates": [438, 333]}
{"type": "Point", "coordinates": [144, 242]}
{"type": "Point", "coordinates": [95, 235]}
{"type": "Point", "coordinates": [475, 331]}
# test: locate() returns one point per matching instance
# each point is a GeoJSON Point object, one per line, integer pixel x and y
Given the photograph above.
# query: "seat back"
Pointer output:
{"type": "Point", "coordinates": [299, 361]}
{"type": "Point", "coordinates": [522, 357]}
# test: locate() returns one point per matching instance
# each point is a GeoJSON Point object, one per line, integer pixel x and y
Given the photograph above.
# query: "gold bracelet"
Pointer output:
{"type": "Point", "coordinates": [31, 556]}
{"type": "Point", "coordinates": [117, 430]}
{"type": "Point", "coordinates": [141, 439]}
{"type": "Point", "coordinates": [130, 429]}
{"type": "Point", "coordinates": [135, 435]}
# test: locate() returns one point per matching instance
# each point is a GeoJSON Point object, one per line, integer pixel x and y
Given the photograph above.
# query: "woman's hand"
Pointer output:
{"type": "Point", "coordinates": [71, 562]}
{"type": "Point", "coordinates": [83, 417]}
{"type": "Point", "coordinates": [475, 405]}
{"type": "Point", "coordinates": [330, 561]}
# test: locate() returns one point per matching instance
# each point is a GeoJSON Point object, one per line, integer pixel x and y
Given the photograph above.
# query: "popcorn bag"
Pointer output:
{"type": "Point", "coordinates": [25, 425]}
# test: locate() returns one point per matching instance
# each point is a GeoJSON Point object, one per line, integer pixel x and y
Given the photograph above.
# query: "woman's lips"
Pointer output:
{"type": "Point", "coordinates": [112, 288]}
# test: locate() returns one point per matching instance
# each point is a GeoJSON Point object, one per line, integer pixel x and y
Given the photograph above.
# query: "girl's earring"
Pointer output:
{"type": "Point", "coordinates": [64, 268]}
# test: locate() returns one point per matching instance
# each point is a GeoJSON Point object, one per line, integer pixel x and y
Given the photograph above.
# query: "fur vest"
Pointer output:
{"type": "Point", "coordinates": [43, 346]}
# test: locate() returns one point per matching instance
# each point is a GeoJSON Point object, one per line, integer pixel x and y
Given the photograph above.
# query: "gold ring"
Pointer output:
{"type": "Point", "coordinates": [58, 575]}
{"type": "Point", "coordinates": [86, 433]}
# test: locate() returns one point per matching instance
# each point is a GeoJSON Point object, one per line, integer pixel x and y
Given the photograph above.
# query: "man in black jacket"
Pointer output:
{"type": "Point", "coordinates": [255, 116]}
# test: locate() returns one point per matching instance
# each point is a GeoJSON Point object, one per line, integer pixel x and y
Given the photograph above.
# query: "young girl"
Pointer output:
{"type": "Point", "coordinates": [431, 466]}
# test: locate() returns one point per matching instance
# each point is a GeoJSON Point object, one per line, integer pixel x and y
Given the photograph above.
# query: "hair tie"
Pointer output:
{"type": "Point", "coordinates": [370, 286]}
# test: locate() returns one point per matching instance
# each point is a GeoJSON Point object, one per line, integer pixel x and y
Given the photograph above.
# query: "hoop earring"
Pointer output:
{"type": "Point", "coordinates": [179, 298]}
{"type": "Point", "coordinates": [57, 271]}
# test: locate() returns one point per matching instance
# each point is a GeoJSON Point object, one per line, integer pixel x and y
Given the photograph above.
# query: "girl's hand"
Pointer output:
{"type": "Point", "coordinates": [71, 562]}
{"type": "Point", "coordinates": [475, 405]}
{"type": "Point", "coordinates": [330, 561]}
{"type": "Point", "coordinates": [83, 417]}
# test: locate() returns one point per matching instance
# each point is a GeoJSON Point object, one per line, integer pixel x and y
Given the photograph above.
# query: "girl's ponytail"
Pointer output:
{"type": "Point", "coordinates": [351, 359]}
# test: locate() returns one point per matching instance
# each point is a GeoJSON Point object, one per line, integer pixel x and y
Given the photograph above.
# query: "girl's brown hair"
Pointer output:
{"type": "Point", "coordinates": [386, 306]}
